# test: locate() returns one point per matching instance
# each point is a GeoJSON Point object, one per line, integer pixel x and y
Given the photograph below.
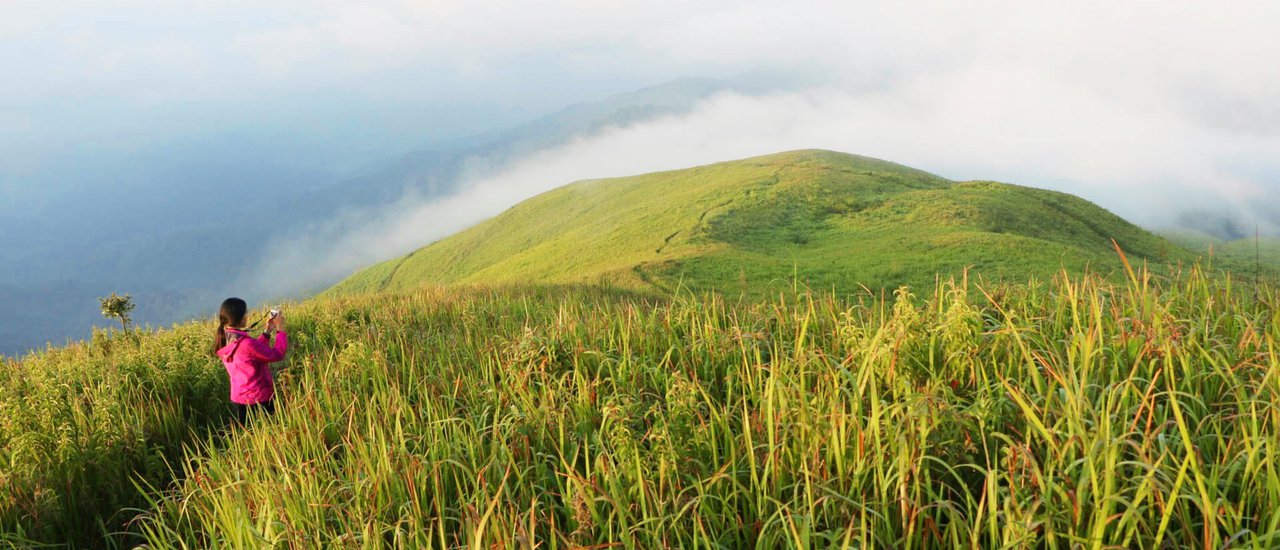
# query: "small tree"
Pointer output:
{"type": "Point", "coordinates": [118, 308]}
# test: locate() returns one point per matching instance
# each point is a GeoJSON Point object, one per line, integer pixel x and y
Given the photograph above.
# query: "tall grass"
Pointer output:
{"type": "Point", "coordinates": [1076, 412]}
{"type": "Point", "coordinates": [80, 425]}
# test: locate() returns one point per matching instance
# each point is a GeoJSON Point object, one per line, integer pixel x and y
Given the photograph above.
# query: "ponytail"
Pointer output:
{"type": "Point", "coordinates": [220, 336]}
{"type": "Point", "coordinates": [231, 314]}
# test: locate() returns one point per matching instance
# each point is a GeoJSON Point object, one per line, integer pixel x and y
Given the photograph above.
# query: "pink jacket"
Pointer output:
{"type": "Point", "coordinates": [247, 359]}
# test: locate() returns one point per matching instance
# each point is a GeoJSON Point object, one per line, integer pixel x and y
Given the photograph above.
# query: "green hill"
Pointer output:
{"type": "Point", "coordinates": [831, 220]}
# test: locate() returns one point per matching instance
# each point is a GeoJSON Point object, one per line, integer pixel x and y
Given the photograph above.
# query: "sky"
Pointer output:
{"type": "Point", "coordinates": [1151, 109]}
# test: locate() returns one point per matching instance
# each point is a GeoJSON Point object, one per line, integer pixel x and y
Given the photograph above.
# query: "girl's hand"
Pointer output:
{"type": "Point", "coordinates": [277, 322]}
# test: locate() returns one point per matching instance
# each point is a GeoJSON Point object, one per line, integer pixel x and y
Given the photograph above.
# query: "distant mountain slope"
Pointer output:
{"type": "Point", "coordinates": [437, 171]}
{"type": "Point", "coordinates": [1244, 255]}
{"type": "Point", "coordinates": [831, 220]}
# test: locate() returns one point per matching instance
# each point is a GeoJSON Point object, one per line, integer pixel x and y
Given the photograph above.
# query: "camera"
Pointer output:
{"type": "Point", "coordinates": [275, 312]}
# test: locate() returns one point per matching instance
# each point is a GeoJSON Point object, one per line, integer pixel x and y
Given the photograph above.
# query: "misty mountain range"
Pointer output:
{"type": "Point", "coordinates": [183, 248]}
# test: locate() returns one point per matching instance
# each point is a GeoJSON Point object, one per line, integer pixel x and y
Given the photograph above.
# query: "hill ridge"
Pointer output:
{"type": "Point", "coordinates": [836, 219]}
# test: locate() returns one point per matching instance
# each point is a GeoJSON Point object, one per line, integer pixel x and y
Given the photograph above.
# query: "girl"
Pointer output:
{"type": "Point", "coordinates": [248, 359]}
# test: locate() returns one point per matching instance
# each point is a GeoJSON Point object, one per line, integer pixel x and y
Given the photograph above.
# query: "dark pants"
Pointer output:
{"type": "Point", "coordinates": [244, 411]}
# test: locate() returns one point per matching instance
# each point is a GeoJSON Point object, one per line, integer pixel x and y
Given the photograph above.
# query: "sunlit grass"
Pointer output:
{"type": "Point", "coordinates": [1138, 412]}
{"type": "Point", "coordinates": [79, 424]}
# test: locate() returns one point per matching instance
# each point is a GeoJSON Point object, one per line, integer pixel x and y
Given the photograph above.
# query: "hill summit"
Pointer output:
{"type": "Point", "coordinates": [826, 219]}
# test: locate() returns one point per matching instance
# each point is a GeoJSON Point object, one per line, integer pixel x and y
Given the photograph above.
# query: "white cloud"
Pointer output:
{"type": "Point", "coordinates": [1143, 44]}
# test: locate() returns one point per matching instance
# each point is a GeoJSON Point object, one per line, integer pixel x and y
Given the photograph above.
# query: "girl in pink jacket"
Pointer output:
{"type": "Point", "coordinates": [248, 359]}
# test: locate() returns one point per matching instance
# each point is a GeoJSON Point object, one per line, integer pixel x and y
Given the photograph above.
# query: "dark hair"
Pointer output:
{"type": "Point", "coordinates": [231, 314]}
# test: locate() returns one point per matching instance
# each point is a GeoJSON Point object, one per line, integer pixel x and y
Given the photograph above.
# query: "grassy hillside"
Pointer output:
{"type": "Point", "coordinates": [831, 220]}
{"type": "Point", "coordinates": [1136, 411]}
{"type": "Point", "coordinates": [80, 425]}
{"type": "Point", "coordinates": [1076, 412]}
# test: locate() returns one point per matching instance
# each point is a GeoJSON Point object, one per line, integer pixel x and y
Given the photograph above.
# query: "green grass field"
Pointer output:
{"type": "Point", "coordinates": [831, 220]}
{"type": "Point", "coordinates": [1135, 412]}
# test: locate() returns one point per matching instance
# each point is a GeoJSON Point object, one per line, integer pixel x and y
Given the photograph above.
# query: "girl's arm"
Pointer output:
{"type": "Point", "coordinates": [258, 348]}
